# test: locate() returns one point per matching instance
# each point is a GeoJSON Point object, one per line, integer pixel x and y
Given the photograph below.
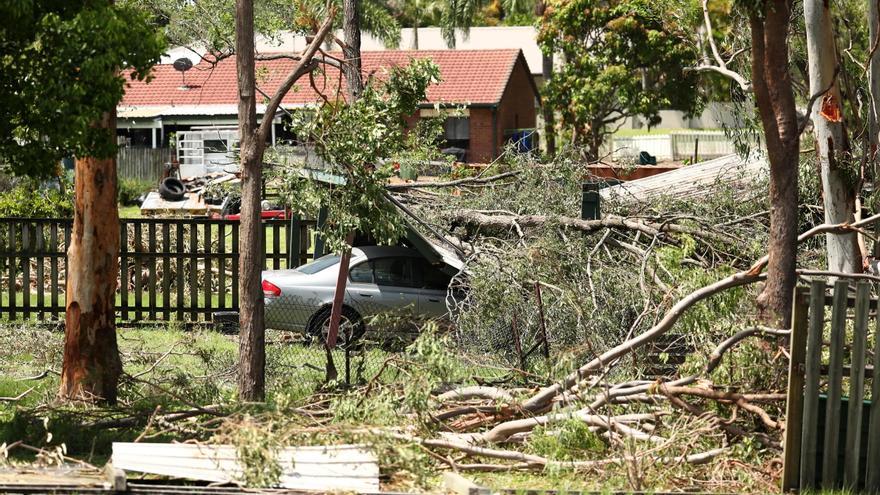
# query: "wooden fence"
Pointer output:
{"type": "Point", "coordinates": [832, 441]}
{"type": "Point", "coordinates": [146, 164]}
{"type": "Point", "coordinates": [180, 269]}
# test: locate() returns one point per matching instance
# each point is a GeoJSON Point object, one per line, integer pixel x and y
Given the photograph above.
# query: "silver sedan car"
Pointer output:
{"type": "Point", "coordinates": [381, 279]}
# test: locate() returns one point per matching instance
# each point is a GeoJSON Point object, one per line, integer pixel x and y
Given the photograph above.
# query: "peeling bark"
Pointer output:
{"type": "Point", "coordinates": [832, 147]}
{"type": "Point", "coordinates": [91, 365]}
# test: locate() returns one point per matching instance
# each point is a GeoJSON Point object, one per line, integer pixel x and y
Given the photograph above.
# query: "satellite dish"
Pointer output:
{"type": "Point", "coordinates": [183, 64]}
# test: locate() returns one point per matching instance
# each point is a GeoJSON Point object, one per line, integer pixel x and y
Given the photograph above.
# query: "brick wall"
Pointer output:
{"type": "Point", "coordinates": [517, 109]}
{"type": "Point", "coordinates": [482, 148]}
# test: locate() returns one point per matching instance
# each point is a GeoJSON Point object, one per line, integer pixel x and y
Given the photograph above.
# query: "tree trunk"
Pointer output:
{"type": "Point", "coordinates": [874, 107]}
{"type": "Point", "coordinates": [91, 365]}
{"type": "Point", "coordinates": [775, 99]}
{"type": "Point", "coordinates": [832, 147]}
{"type": "Point", "coordinates": [415, 42]}
{"type": "Point", "coordinates": [351, 26]}
{"type": "Point", "coordinates": [595, 138]}
{"type": "Point", "coordinates": [252, 339]}
{"type": "Point", "coordinates": [546, 73]}
{"type": "Point", "coordinates": [547, 110]}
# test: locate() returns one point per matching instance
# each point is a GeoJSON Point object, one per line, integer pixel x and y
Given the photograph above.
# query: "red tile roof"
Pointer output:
{"type": "Point", "coordinates": [468, 77]}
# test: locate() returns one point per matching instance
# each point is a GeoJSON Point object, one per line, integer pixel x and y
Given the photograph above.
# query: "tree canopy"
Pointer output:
{"type": "Point", "coordinates": [361, 141]}
{"type": "Point", "coordinates": [622, 58]}
{"type": "Point", "coordinates": [60, 66]}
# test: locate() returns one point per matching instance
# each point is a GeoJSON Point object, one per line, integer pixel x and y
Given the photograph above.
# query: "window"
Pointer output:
{"type": "Point", "coordinates": [362, 273]}
{"type": "Point", "coordinates": [457, 131]}
{"type": "Point", "coordinates": [395, 272]}
{"type": "Point", "coordinates": [457, 128]}
{"type": "Point", "coordinates": [319, 264]}
{"type": "Point", "coordinates": [430, 277]}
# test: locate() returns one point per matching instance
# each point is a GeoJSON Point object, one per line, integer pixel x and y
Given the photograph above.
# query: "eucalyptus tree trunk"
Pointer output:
{"type": "Point", "coordinates": [91, 366]}
{"type": "Point", "coordinates": [252, 342]}
{"type": "Point", "coordinates": [546, 73]}
{"type": "Point", "coordinates": [352, 50]}
{"type": "Point", "coordinates": [832, 147]}
{"type": "Point", "coordinates": [874, 107]}
{"type": "Point", "coordinates": [771, 81]}
{"type": "Point", "coordinates": [355, 88]}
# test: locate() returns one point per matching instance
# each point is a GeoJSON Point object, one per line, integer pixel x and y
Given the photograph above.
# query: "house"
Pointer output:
{"type": "Point", "coordinates": [524, 38]}
{"type": "Point", "coordinates": [487, 97]}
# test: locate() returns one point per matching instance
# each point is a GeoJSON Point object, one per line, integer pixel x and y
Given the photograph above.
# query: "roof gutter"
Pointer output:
{"type": "Point", "coordinates": [456, 105]}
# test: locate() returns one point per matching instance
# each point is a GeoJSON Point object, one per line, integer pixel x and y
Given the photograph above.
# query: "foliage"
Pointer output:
{"type": "Point", "coordinates": [30, 198]}
{"type": "Point", "coordinates": [360, 141]}
{"type": "Point", "coordinates": [130, 191]}
{"type": "Point", "coordinates": [377, 17]}
{"type": "Point", "coordinates": [60, 70]}
{"type": "Point", "coordinates": [566, 440]}
{"type": "Point", "coordinates": [256, 450]}
{"type": "Point", "coordinates": [450, 16]}
{"type": "Point", "coordinates": [623, 58]}
{"type": "Point", "coordinates": [224, 189]}
{"type": "Point", "coordinates": [210, 24]}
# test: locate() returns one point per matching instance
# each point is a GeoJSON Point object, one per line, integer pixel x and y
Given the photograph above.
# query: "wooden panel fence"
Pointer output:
{"type": "Point", "coordinates": [832, 436]}
{"type": "Point", "coordinates": [146, 164]}
{"type": "Point", "coordinates": [170, 269]}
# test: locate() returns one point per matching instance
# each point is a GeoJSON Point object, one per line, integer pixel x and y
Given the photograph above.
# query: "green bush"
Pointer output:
{"type": "Point", "coordinates": [132, 189]}
{"type": "Point", "coordinates": [33, 199]}
{"type": "Point", "coordinates": [566, 440]}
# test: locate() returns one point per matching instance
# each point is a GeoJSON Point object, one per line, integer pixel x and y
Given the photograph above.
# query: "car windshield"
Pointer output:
{"type": "Point", "coordinates": [319, 264]}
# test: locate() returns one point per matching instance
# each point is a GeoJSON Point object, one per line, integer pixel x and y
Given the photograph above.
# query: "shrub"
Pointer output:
{"type": "Point", "coordinates": [32, 199]}
{"type": "Point", "coordinates": [130, 191]}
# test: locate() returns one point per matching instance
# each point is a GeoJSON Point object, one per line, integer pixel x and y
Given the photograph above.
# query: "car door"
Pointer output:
{"type": "Point", "coordinates": [383, 284]}
{"type": "Point", "coordinates": [433, 285]}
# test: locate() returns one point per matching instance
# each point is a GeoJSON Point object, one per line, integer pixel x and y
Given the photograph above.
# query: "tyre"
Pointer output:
{"type": "Point", "coordinates": [351, 326]}
{"type": "Point", "coordinates": [172, 189]}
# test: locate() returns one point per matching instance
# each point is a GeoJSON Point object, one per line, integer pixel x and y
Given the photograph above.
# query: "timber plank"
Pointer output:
{"type": "Point", "coordinates": [809, 446]}
{"type": "Point", "coordinates": [835, 372]}
{"type": "Point", "coordinates": [857, 389]}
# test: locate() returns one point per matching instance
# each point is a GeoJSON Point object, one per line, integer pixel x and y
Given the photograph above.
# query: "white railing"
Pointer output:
{"type": "Point", "coordinates": [677, 145]}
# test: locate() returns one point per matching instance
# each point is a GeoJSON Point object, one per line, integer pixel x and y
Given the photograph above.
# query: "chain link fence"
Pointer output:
{"type": "Point", "coordinates": [374, 330]}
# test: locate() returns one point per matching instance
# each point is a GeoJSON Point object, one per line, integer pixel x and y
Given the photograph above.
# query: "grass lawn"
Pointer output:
{"type": "Point", "coordinates": [166, 366]}
{"type": "Point", "coordinates": [129, 211]}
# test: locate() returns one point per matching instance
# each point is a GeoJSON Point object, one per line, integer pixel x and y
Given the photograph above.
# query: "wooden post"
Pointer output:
{"type": "Point", "coordinates": [811, 386]}
{"type": "Point", "coordinates": [835, 376]}
{"type": "Point", "coordinates": [339, 294]}
{"type": "Point", "coordinates": [541, 321]}
{"type": "Point", "coordinates": [514, 327]}
{"type": "Point", "coordinates": [856, 389]}
{"type": "Point", "coordinates": [872, 476]}
{"type": "Point", "coordinates": [795, 400]}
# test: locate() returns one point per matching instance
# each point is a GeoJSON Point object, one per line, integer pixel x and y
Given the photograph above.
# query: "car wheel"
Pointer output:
{"type": "Point", "coordinates": [351, 326]}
